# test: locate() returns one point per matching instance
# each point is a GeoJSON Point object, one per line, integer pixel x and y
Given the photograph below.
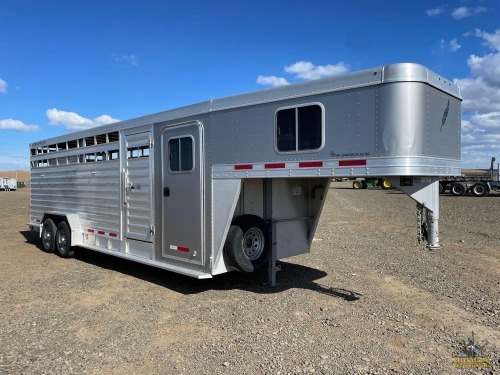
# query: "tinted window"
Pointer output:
{"type": "Point", "coordinates": [310, 119]}
{"type": "Point", "coordinates": [174, 156]}
{"type": "Point", "coordinates": [181, 154]}
{"type": "Point", "coordinates": [286, 130]}
{"type": "Point", "coordinates": [186, 154]}
{"type": "Point", "coordinates": [299, 129]}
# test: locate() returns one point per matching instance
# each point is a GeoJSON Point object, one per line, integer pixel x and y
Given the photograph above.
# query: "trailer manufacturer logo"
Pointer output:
{"type": "Point", "coordinates": [471, 356]}
{"type": "Point", "coordinates": [445, 115]}
{"type": "Point", "coordinates": [36, 144]}
{"type": "Point", "coordinates": [333, 154]}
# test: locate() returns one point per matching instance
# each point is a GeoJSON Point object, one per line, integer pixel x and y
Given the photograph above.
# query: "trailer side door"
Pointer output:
{"type": "Point", "coordinates": [183, 201]}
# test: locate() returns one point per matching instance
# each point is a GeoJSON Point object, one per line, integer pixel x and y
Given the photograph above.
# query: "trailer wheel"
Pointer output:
{"type": "Point", "coordinates": [479, 190]}
{"type": "Point", "coordinates": [49, 231]}
{"type": "Point", "coordinates": [441, 188]}
{"type": "Point", "coordinates": [356, 184]}
{"type": "Point", "coordinates": [458, 189]}
{"type": "Point", "coordinates": [63, 240]}
{"type": "Point", "coordinates": [247, 243]}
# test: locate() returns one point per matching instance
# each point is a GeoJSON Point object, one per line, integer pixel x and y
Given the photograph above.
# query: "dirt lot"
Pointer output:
{"type": "Point", "coordinates": [366, 300]}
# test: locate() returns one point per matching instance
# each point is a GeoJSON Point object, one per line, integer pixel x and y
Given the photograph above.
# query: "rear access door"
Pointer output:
{"type": "Point", "coordinates": [183, 193]}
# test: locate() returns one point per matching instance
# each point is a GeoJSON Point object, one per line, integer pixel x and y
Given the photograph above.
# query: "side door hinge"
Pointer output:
{"type": "Point", "coordinates": [152, 230]}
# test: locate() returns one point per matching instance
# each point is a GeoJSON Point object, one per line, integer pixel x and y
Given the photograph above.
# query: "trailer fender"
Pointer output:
{"type": "Point", "coordinates": [225, 194]}
{"type": "Point", "coordinates": [76, 229]}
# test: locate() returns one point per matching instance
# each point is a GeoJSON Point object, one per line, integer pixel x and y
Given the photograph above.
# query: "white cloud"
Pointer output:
{"type": "Point", "coordinates": [104, 120]}
{"type": "Point", "coordinates": [491, 40]}
{"type": "Point", "coordinates": [306, 70]}
{"type": "Point", "coordinates": [478, 96]}
{"type": "Point", "coordinates": [434, 12]}
{"type": "Point", "coordinates": [454, 46]}
{"type": "Point", "coordinates": [481, 139]}
{"type": "Point", "coordinates": [445, 47]}
{"type": "Point", "coordinates": [272, 81]}
{"type": "Point", "coordinates": [464, 12]}
{"type": "Point", "coordinates": [73, 121]}
{"type": "Point", "coordinates": [125, 59]}
{"type": "Point", "coordinates": [487, 67]}
{"type": "Point", "coordinates": [3, 86]}
{"type": "Point", "coordinates": [10, 124]}
{"type": "Point", "coordinates": [481, 104]}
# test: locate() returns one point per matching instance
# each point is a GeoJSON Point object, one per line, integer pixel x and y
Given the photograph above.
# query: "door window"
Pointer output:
{"type": "Point", "coordinates": [181, 154]}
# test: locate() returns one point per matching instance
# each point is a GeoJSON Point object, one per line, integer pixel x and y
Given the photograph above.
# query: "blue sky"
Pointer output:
{"type": "Point", "coordinates": [69, 65]}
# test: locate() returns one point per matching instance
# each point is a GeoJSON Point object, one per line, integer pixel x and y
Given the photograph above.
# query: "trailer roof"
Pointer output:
{"type": "Point", "coordinates": [403, 72]}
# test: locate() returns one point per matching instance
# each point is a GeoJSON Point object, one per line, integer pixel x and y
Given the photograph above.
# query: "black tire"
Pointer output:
{"type": "Point", "coordinates": [458, 189]}
{"type": "Point", "coordinates": [247, 243]}
{"type": "Point", "coordinates": [479, 189]}
{"type": "Point", "coordinates": [63, 241]}
{"type": "Point", "coordinates": [364, 185]}
{"type": "Point", "coordinates": [357, 185]}
{"type": "Point", "coordinates": [49, 231]}
{"type": "Point", "coordinates": [441, 188]}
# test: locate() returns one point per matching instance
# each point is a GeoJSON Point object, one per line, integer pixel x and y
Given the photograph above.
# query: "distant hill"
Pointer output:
{"type": "Point", "coordinates": [21, 175]}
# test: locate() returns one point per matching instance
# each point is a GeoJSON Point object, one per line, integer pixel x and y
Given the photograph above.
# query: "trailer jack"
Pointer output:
{"type": "Point", "coordinates": [427, 230]}
{"type": "Point", "coordinates": [421, 224]}
{"type": "Point", "coordinates": [273, 267]}
{"type": "Point", "coordinates": [425, 191]}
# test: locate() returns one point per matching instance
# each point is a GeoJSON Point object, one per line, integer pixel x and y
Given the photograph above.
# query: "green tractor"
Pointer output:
{"type": "Point", "coordinates": [362, 183]}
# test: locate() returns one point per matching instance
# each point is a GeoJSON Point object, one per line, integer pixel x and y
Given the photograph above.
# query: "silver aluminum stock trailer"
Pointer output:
{"type": "Point", "coordinates": [233, 183]}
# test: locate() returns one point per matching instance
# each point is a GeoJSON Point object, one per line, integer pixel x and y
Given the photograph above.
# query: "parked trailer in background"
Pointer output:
{"type": "Point", "coordinates": [478, 184]}
{"type": "Point", "coordinates": [7, 183]}
{"type": "Point", "coordinates": [233, 183]}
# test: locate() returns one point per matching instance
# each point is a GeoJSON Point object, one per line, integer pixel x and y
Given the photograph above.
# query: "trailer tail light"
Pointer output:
{"type": "Point", "coordinates": [274, 165]}
{"type": "Point", "coordinates": [311, 164]}
{"type": "Point", "coordinates": [351, 163]}
{"type": "Point", "coordinates": [240, 167]}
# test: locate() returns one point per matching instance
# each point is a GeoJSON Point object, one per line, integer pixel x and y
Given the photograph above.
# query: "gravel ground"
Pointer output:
{"type": "Point", "coordinates": [366, 300]}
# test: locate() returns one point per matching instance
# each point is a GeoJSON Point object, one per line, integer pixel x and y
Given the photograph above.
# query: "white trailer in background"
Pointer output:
{"type": "Point", "coordinates": [7, 183]}
{"type": "Point", "coordinates": [231, 183]}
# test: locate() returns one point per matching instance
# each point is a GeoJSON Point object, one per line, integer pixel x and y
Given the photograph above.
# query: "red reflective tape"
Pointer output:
{"type": "Point", "coordinates": [239, 167]}
{"type": "Point", "coordinates": [274, 165]}
{"type": "Point", "coordinates": [113, 235]}
{"type": "Point", "coordinates": [310, 164]}
{"type": "Point", "coordinates": [183, 249]}
{"type": "Point", "coordinates": [349, 163]}
{"type": "Point", "coordinates": [90, 230]}
{"type": "Point", "coordinates": [100, 232]}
